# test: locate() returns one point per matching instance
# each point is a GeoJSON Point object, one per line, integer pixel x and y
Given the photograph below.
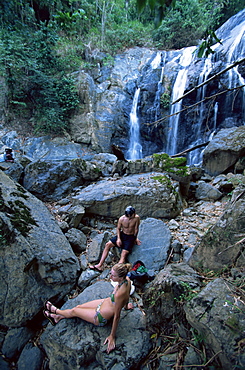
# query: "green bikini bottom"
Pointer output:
{"type": "Point", "coordinates": [102, 321]}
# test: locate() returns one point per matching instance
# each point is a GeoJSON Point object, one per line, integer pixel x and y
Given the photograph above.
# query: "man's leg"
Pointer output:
{"type": "Point", "coordinates": [124, 256]}
{"type": "Point", "coordinates": [106, 250]}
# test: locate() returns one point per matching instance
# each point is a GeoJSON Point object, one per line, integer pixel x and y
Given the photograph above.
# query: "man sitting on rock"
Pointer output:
{"type": "Point", "coordinates": [126, 238]}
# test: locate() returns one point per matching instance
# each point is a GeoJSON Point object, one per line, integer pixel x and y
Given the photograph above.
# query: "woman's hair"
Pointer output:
{"type": "Point", "coordinates": [122, 269]}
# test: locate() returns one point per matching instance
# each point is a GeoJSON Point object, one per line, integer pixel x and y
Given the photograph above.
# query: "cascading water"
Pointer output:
{"type": "Point", "coordinates": [178, 91]}
{"type": "Point", "coordinates": [234, 53]}
{"type": "Point", "coordinates": [159, 61]}
{"type": "Point", "coordinates": [195, 157]}
{"type": "Point", "coordinates": [135, 149]}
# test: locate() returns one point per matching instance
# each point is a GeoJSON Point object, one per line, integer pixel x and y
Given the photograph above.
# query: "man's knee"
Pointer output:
{"type": "Point", "coordinates": [109, 245]}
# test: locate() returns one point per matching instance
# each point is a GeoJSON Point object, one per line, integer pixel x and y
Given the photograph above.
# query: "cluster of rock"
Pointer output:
{"type": "Point", "coordinates": [46, 250]}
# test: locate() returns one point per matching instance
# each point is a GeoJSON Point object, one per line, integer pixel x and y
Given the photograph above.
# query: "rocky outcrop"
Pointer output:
{"type": "Point", "coordinates": [217, 313]}
{"type": "Point", "coordinates": [36, 259]}
{"type": "Point", "coordinates": [150, 197]}
{"type": "Point", "coordinates": [224, 151]}
{"type": "Point", "coordinates": [52, 180]}
{"type": "Point", "coordinates": [169, 287]}
{"type": "Point", "coordinates": [155, 240]}
{"type": "Point", "coordinates": [223, 244]}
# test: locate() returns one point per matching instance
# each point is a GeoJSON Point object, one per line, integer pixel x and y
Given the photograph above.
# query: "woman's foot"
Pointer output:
{"type": "Point", "coordinates": [50, 307]}
{"type": "Point", "coordinates": [52, 317]}
{"type": "Point", "coordinates": [130, 306]}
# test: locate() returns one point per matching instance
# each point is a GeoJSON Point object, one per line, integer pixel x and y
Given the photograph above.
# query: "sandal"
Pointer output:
{"type": "Point", "coordinates": [95, 269]}
{"type": "Point", "coordinates": [48, 305]}
{"type": "Point", "coordinates": [49, 317]}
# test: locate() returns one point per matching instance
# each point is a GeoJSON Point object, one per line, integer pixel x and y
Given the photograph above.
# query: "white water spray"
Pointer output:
{"type": "Point", "coordinates": [178, 91]}
{"type": "Point", "coordinates": [135, 149]}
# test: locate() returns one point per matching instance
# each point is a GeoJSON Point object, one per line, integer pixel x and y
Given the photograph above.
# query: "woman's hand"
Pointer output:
{"type": "Point", "coordinates": [111, 343]}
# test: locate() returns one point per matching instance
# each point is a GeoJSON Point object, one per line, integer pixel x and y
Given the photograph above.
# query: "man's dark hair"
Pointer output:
{"type": "Point", "coordinates": [129, 211]}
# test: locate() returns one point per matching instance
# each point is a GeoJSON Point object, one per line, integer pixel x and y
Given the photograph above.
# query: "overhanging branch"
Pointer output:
{"type": "Point", "coordinates": [210, 79]}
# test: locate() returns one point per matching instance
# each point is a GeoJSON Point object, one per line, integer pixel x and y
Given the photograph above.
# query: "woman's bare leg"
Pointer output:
{"type": "Point", "coordinates": [85, 311]}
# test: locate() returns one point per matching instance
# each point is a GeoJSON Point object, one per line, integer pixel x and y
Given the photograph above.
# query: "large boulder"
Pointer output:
{"type": "Point", "coordinates": [150, 197]}
{"type": "Point", "coordinates": [224, 150]}
{"type": "Point", "coordinates": [36, 259]}
{"type": "Point", "coordinates": [52, 180]}
{"type": "Point", "coordinates": [163, 294]}
{"type": "Point", "coordinates": [223, 244]}
{"type": "Point", "coordinates": [81, 344]}
{"type": "Point", "coordinates": [218, 315]}
{"type": "Point", "coordinates": [155, 240]}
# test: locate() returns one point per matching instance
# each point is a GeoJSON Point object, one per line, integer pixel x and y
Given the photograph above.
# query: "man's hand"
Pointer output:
{"type": "Point", "coordinates": [119, 242]}
{"type": "Point", "coordinates": [111, 343]}
{"type": "Point", "coordinates": [137, 241]}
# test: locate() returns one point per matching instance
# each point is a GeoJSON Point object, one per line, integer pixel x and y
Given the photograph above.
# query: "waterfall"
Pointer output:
{"type": "Point", "coordinates": [234, 53]}
{"type": "Point", "coordinates": [135, 149]}
{"type": "Point", "coordinates": [195, 157]}
{"type": "Point", "coordinates": [178, 91]}
{"type": "Point", "coordinates": [158, 62]}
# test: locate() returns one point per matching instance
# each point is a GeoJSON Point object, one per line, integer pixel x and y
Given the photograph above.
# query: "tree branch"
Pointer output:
{"type": "Point", "coordinates": [210, 79]}
{"type": "Point", "coordinates": [189, 150]}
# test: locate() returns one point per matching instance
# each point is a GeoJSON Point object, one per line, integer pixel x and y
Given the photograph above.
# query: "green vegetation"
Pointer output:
{"type": "Point", "coordinates": [163, 180]}
{"type": "Point", "coordinates": [176, 166]}
{"type": "Point", "coordinates": [43, 42]}
{"type": "Point", "coordinates": [188, 293]}
{"type": "Point", "coordinates": [19, 215]}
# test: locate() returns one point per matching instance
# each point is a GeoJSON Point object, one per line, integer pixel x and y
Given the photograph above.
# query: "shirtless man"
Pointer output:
{"type": "Point", "coordinates": [127, 231]}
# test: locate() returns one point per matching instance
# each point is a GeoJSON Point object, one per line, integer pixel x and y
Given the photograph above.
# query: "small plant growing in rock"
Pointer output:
{"type": "Point", "coordinates": [187, 294]}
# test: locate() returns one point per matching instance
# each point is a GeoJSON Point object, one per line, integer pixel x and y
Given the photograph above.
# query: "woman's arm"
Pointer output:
{"type": "Point", "coordinates": [120, 299]}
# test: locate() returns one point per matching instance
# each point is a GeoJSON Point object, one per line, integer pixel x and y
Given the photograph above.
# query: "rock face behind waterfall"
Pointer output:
{"type": "Point", "coordinates": [107, 101]}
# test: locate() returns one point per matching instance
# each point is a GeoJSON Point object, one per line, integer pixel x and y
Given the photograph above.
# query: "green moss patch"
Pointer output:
{"type": "Point", "coordinates": [176, 166]}
{"type": "Point", "coordinates": [18, 213]}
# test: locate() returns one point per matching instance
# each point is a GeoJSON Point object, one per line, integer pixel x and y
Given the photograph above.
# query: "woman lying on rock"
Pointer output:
{"type": "Point", "coordinates": [99, 311]}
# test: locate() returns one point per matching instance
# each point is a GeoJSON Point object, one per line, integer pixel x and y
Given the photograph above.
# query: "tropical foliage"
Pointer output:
{"type": "Point", "coordinates": [42, 42]}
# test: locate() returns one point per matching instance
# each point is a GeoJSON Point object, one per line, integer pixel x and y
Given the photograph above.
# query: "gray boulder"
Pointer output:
{"type": "Point", "coordinates": [222, 245]}
{"type": "Point", "coordinates": [206, 191]}
{"type": "Point", "coordinates": [77, 239]}
{"type": "Point", "coordinates": [155, 240]}
{"type": "Point", "coordinates": [80, 344]}
{"type": "Point", "coordinates": [224, 150]}
{"type": "Point", "coordinates": [165, 291]}
{"type": "Point", "coordinates": [36, 259]}
{"type": "Point", "coordinates": [31, 358]}
{"type": "Point", "coordinates": [96, 246]}
{"type": "Point", "coordinates": [218, 314]}
{"type": "Point", "coordinates": [150, 197]}
{"type": "Point", "coordinates": [52, 180]}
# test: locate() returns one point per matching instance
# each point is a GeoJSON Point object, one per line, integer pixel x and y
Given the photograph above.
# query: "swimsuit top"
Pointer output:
{"type": "Point", "coordinates": [118, 286]}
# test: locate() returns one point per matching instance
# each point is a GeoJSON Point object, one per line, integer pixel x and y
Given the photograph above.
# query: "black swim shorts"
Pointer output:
{"type": "Point", "coordinates": [128, 241]}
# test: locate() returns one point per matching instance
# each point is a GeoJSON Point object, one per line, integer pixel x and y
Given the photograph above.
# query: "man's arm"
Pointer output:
{"type": "Point", "coordinates": [136, 230]}
{"type": "Point", "coordinates": [119, 227]}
